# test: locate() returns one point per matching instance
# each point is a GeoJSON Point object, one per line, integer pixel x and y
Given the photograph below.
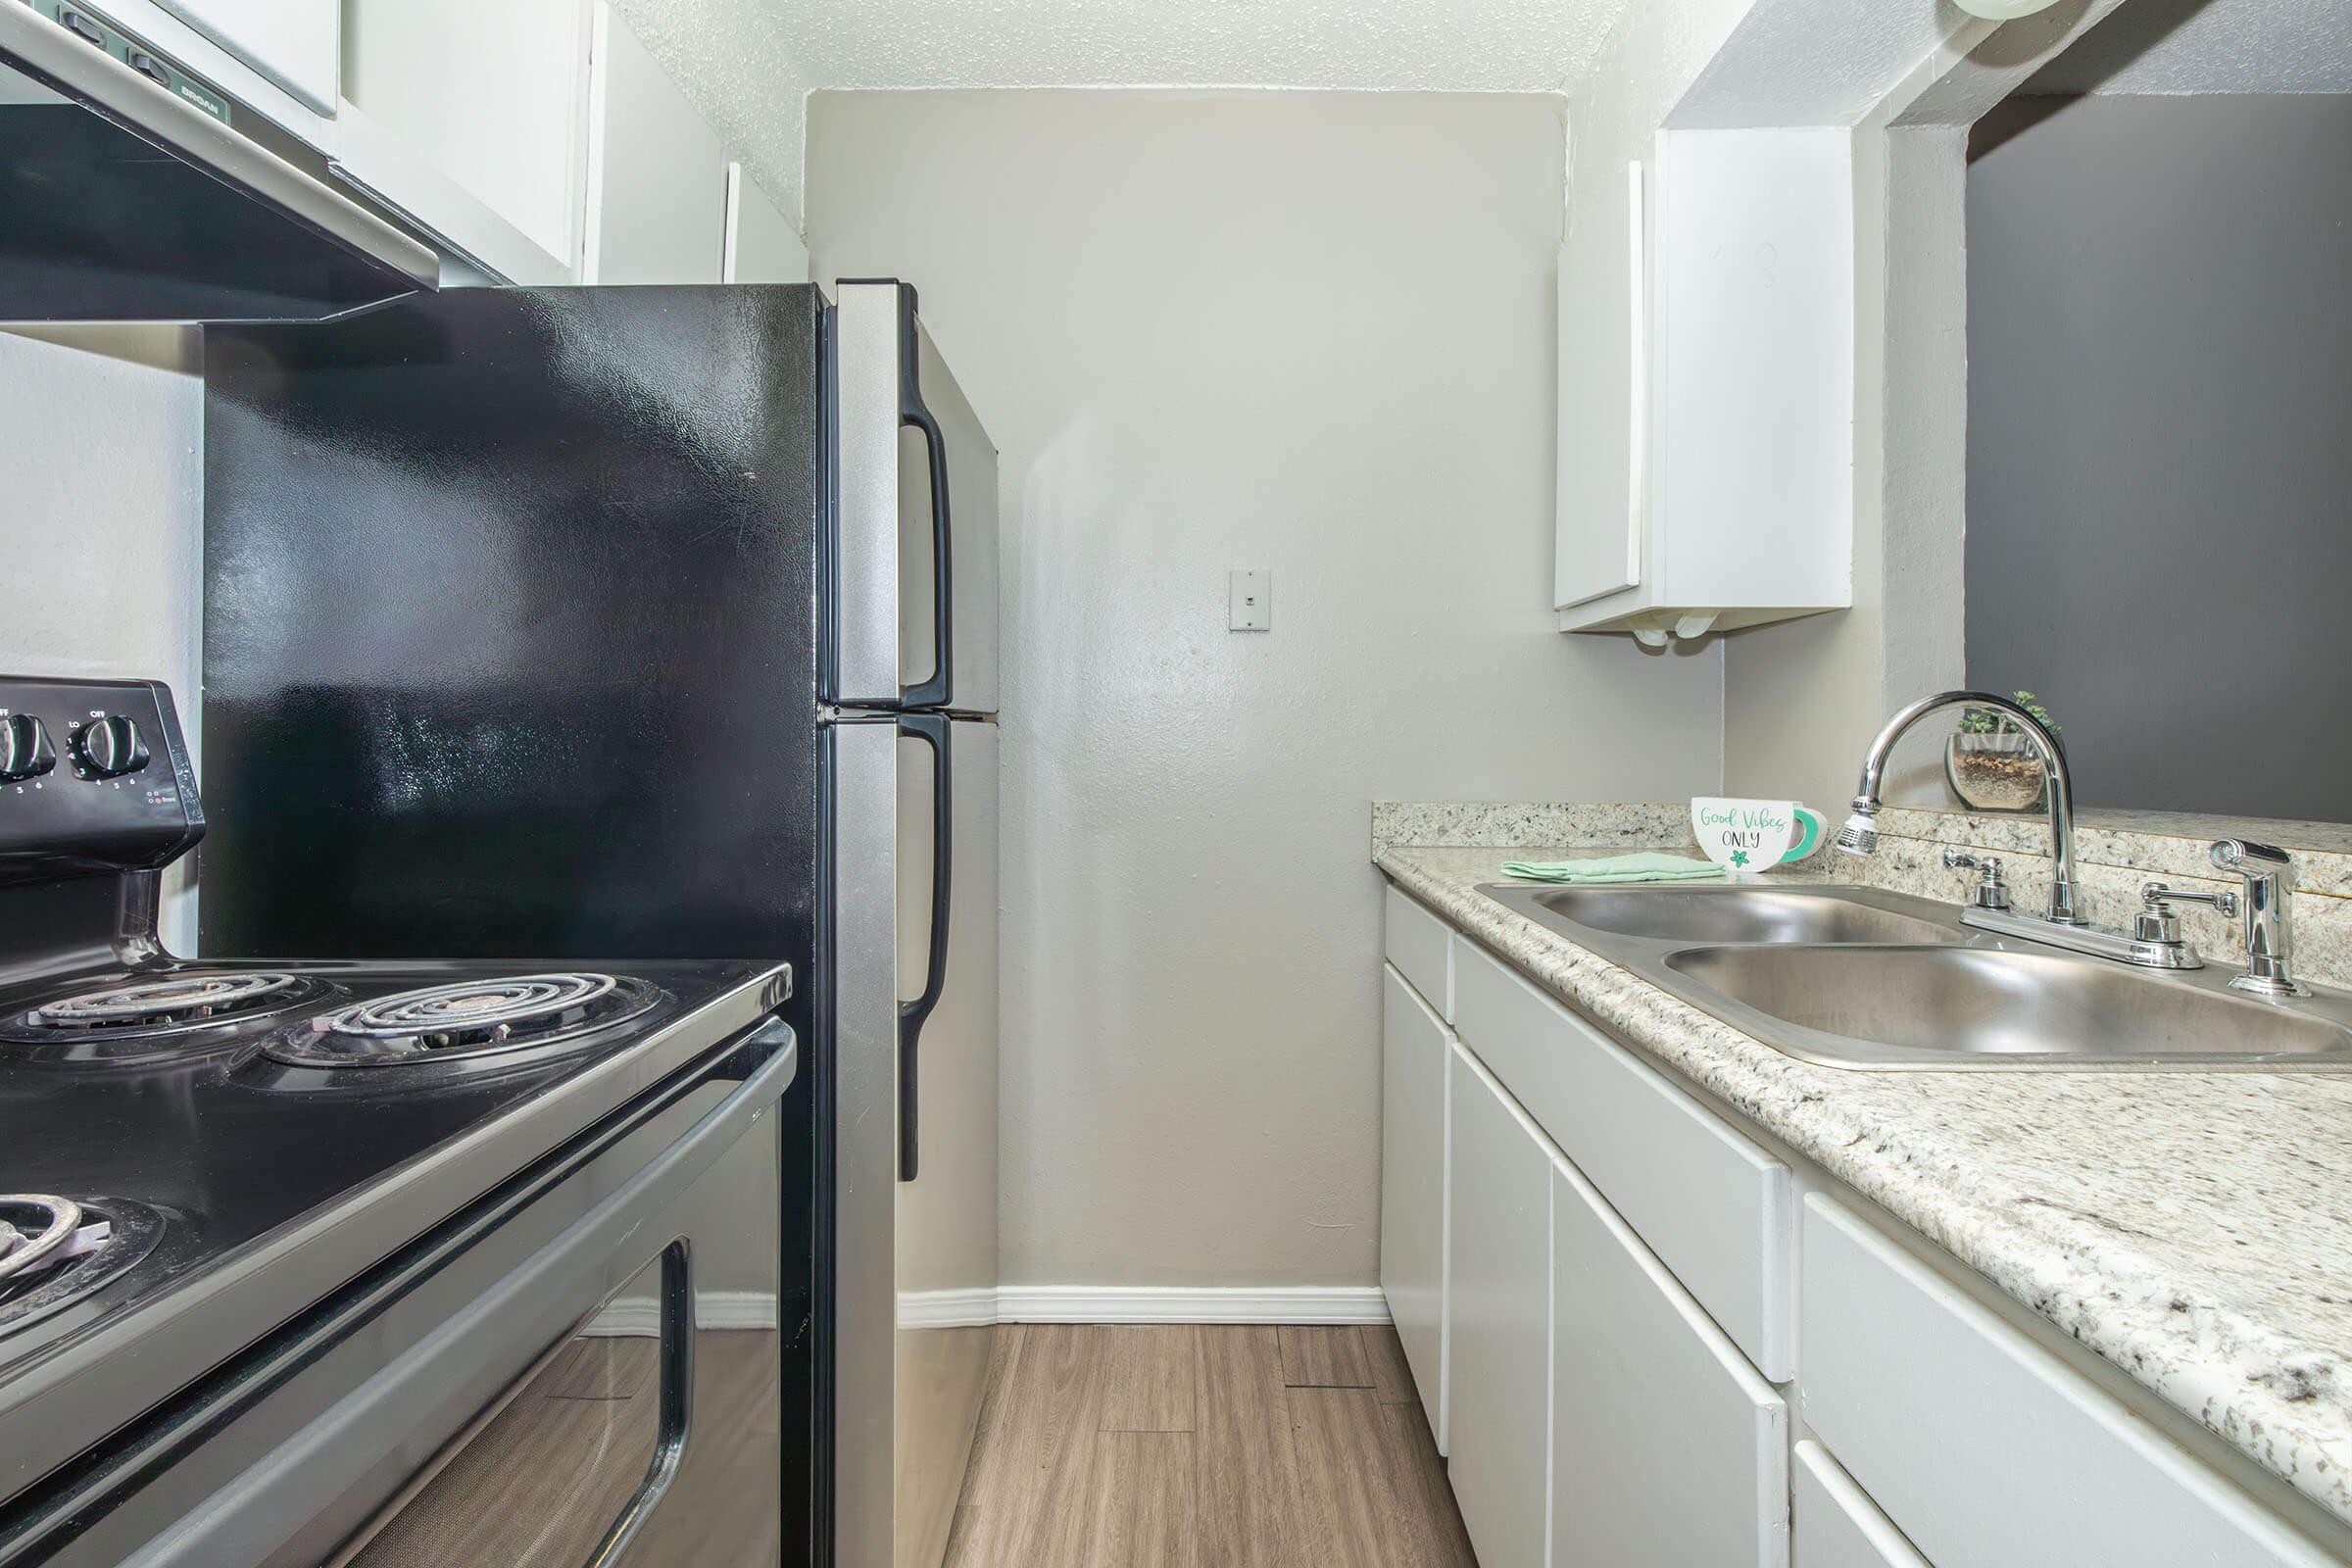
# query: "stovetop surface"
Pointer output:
{"type": "Point", "coordinates": [230, 1146]}
{"type": "Point", "coordinates": [231, 1169]}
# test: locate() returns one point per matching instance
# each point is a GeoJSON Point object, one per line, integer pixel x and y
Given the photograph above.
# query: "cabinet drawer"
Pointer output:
{"type": "Point", "coordinates": [1836, 1524]}
{"type": "Point", "coordinates": [1986, 1450]}
{"type": "Point", "coordinates": [1667, 1448]}
{"type": "Point", "coordinates": [1421, 946]}
{"type": "Point", "coordinates": [1715, 1207]}
{"type": "Point", "coordinates": [1414, 1053]}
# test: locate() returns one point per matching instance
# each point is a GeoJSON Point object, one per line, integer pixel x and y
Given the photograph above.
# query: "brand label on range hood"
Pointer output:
{"type": "Point", "coordinates": [99, 34]}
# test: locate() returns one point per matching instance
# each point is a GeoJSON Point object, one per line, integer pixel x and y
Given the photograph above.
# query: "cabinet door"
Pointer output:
{"type": "Point", "coordinates": [1413, 1059]}
{"type": "Point", "coordinates": [296, 43]}
{"type": "Point", "coordinates": [762, 246]}
{"type": "Point", "coordinates": [1603, 369]}
{"type": "Point", "coordinates": [467, 115]}
{"type": "Point", "coordinates": [1498, 1319]}
{"type": "Point", "coordinates": [656, 171]}
{"type": "Point", "coordinates": [1708, 1200]}
{"type": "Point", "coordinates": [1836, 1525]}
{"type": "Point", "coordinates": [1667, 1445]}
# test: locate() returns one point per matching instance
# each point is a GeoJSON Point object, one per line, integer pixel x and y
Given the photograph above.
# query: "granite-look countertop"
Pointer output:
{"type": "Point", "coordinates": [2194, 1229]}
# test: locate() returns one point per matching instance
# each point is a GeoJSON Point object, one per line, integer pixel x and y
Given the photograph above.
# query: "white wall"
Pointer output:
{"type": "Point", "coordinates": [101, 461]}
{"type": "Point", "coordinates": [1308, 332]}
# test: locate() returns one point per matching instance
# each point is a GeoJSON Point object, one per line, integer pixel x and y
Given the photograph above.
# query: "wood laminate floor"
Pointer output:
{"type": "Point", "coordinates": [1237, 1447]}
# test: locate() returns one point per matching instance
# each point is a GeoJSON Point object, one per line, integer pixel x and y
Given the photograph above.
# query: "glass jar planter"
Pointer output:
{"type": "Point", "coordinates": [1995, 772]}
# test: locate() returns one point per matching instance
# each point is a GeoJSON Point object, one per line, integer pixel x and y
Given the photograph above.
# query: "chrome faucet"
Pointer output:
{"type": "Point", "coordinates": [2270, 926]}
{"type": "Point", "coordinates": [1860, 834]}
{"type": "Point", "coordinates": [2153, 942]}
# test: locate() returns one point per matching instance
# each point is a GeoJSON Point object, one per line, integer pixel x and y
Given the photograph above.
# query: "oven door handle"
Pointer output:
{"type": "Point", "coordinates": [261, 1510]}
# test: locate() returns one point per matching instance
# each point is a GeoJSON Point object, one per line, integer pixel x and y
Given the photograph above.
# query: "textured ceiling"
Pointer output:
{"type": "Point", "coordinates": [1440, 45]}
{"type": "Point", "coordinates": [2210, 46]}
{"type": "Point", "coordinates": [737, 64]}
{"type": "Point", "coordinates": [749, 64]}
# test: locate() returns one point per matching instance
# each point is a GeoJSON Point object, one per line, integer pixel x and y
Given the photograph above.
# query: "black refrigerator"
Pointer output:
{"type": "Point", "coordinates": [651, 623]}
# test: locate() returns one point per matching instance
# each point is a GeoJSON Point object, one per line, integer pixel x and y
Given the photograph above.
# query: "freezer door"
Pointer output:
{"type": "Point", "coordinates": [915, 1031]}
{"type": "Point", "coordinates": [916, 512]}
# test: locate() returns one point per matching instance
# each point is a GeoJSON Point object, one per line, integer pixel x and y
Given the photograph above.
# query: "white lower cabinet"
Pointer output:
{"type": "Point", "coordinates": [1498, 1322]}
{"type": "Point", "coordinates": [1833, 1523]}
{"type": "Point", "coordinates": [1597, 1265]}
{"type": "Point", "coordinates": [1986, 1450]}
{"type": "Point", "coordinates": [1667, 1445]}
{"type": "Point", "coordinates": [1421, 946]}
{"type": "Point", "coordinates": [1713, 1205]}
{"type": "Point", "coordinates": [1416, 1055]}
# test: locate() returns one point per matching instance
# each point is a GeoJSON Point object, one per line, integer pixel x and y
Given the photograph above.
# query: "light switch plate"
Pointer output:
{"type": "Point", "coordinates": [1249, 601]}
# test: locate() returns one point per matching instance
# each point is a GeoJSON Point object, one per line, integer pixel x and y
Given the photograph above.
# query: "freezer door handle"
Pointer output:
{"type": "Point", "coordinates": [933, 731]}
{"type": "Point", "coordinates": [938, 689]}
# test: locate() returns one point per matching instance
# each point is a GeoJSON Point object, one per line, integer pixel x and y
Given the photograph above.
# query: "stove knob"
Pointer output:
{"type": "Point", "coordinates": [110, 747]}
{"type": "Point", "coordinates": [24, 749]}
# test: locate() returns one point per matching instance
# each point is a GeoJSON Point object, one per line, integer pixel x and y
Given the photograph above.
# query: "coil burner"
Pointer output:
{"type": "Point", "coordinates": [532, 1015]}
{"type": "Point", "coordinates": [54, 1252]}
{"type": "Point", "coordinates": [139, 1020]}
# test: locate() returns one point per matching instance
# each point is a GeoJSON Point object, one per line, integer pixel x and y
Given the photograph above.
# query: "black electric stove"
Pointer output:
{"type": "Point", "coordinates": [221, 1178]}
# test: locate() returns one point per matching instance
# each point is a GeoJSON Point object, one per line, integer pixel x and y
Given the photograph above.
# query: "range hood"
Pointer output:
{"type": "Point", "coordinates": [132, 191]}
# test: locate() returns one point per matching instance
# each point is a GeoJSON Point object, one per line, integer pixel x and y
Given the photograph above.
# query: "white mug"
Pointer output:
{"type": "Point", "coordinates": [1747, 837]}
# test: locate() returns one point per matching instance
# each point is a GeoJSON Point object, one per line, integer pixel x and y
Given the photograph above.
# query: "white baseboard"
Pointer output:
{"type": "Point", "coordinates": [946, 1309]}
{"type": "Point", "coordinates": [1147, 1303]}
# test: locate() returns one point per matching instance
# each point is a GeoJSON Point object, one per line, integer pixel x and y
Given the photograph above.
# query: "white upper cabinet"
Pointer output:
{"type": "Point", "coordinates": [1706, 450]}
{"type": "Point", "coordinates": [470, 116]}
{"type": "Point", "coordinates": [298, 44]}
{"type": "Point", "coordinates": [1604, 364]}
{"type": "Point", "coordinates": [537, 141]}
{"type": "Point", "coordinates": [762, 246]}
{"type": "Point", "coordinates": [656, 171]}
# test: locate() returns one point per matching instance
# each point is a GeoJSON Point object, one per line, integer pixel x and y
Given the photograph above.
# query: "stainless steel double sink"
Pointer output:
{"type": "Point", "coordinates": [1855, 977]}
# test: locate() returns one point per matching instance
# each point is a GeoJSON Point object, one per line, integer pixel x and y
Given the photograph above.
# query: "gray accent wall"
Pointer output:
{"type": "Point", "coordinates": [2160, 442]}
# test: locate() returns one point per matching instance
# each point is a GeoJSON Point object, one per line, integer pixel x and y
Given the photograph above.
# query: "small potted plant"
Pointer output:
{"type": "Point", "coordinates": [1992, 764]}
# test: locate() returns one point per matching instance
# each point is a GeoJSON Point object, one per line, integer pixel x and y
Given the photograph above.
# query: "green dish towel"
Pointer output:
{"type": "Point", "coordinates": [1646, 867]}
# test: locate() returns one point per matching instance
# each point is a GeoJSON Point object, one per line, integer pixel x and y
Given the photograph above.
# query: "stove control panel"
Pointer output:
{"type": "Point", "coordinates": [108, 746]}
{"type": "Point", "coordinates": [25, 749]}
{"type": "Point", "coordinates": [94, 778]}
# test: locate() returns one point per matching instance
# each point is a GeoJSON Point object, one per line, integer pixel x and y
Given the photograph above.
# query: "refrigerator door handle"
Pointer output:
{"type": "Point", "coordinates": [932, 730]}
{"type": "Point", "coordinates": [936, 690]}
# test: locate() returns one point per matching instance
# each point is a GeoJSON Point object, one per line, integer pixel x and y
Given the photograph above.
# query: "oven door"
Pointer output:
{"type": "Point", "coordinates": [592, 1377]}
